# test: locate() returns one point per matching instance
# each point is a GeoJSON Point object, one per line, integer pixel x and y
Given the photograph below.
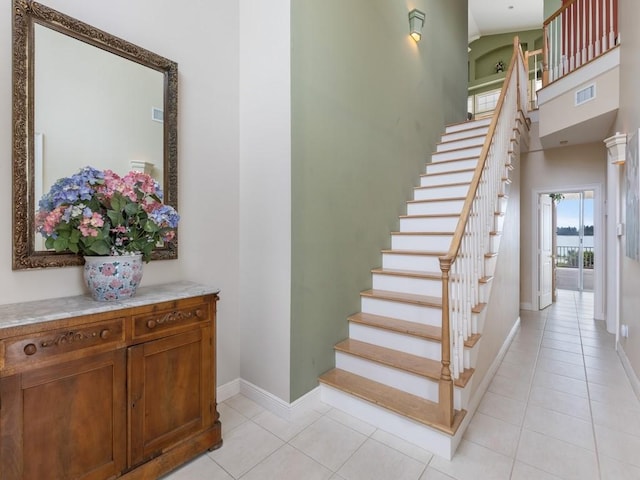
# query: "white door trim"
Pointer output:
{"type": "Point", "coordinates": [598, 241]}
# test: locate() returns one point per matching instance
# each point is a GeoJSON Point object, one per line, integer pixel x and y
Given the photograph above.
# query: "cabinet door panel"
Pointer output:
{"type": "Point", "coordinates": [169, 391]}
{"type": "Point", "coordinates": [73, 419]}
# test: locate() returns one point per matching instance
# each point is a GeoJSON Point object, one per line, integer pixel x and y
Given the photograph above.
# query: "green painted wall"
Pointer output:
{"type": "Point", "coordinates": [368, 106]}
{"type": "Point", "coordinates": [550, 7]}
{"type": "Point", "coordinates": [486, 51]}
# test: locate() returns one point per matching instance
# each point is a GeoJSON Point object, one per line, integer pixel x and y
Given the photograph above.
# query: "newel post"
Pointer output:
{"type": "Point", "coordinates": [445, 398]}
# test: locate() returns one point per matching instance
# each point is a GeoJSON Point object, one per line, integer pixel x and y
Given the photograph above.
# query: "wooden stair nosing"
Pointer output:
{"type": "Point", "coordinates": [405, 404]}
{"type": "Point", "coordinates": [452, 160]}
{"type": "Point", "coordinates": [460, 170]}
{"type": "Point", "coordinates": [433, 200]}
{"type": "Point", "coordinates": [406, 362]}
{"type": "Point", "coordinates": [472, 137]}
{"type": "Point", "coordinates": [433, 234]}
{"type": "Point", "coordinates": [422, 300]}
{"type": "Point", "coordinates": [408, 273]}
{"type": "Point", "coordinates": [424, 253]}
{"type": "Point", "coordinates": [430, 215]}
{"type": "Point", "coordinates": [447, 185]}
{"type": "Point", "coordinates": [405, 327]}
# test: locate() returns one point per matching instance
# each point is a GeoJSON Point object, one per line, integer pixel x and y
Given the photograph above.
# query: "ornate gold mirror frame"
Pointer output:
{"type": "Point", "coordinates": [26, 14]}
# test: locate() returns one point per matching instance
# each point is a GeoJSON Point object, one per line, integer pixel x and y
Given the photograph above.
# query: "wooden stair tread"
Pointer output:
{"type": "Point", "coordinates": [424, 300]}
{"type": "Point", "coordinates": [414, 252]}
{"type": "Point", "coordinates": [408, 273]}
{"type": "Point", "coordinates": [421, 366]}
{"type": "Point", "coordinates": [411, 406]}
{"type": "Point", "coordinates": [471, 137]}
{"type": "Point", "coordinates": [461, 170]}
{"type": "Point", "coordinates": [433, 200]}
{"type": "Point", "coordinates": [396, 325]}
{"type": "Point", "coordinates": [455, 184]}
{"type": "Point", "coordinates": [420, 330]}
{"type": "Point", "coordinates": [451, 160]}
{"type": "Point", "coordinates": [423, 233]}
{"type": "Point", "coordinates": [431, 215]}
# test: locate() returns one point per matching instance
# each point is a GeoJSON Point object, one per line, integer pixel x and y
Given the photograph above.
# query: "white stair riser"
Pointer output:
{"type": "Point", "coordinates": [440, 167]}
{"type": "Point", "coordinates": [445, 146]}
{"type": "Point", "coordinates": [402, 427]}
{"type": "Point", "coordinates": [494, 243]}
{"type": "Point", "coordinates": [418, 263]}
{"type": "Point", "coordinates": [456, 154]}
{"type": "Point", "coordinates": [436, 193]}
{"type": "Point", "coordinates": [407, 382]}
{"type": "Point", "coordinates": [471, 355]}
{"type": "Point", "coordinates": [396, 341]}
{"type": "Point", "coordinates": [502, 204]}
{"type": "Point", "coordinates": [417, 286]}
{"type": "Point", "coordinates": [446, 178]}
{"type": "Point", "coordinates": [482, 122]}
{"type": "Point", "coordinates": [403, 311]}
{"type": "Point", "coordinates": [498, 223]}
{"type": "Point", "coordinates": [472, 132]}
{"type": "Point", "coordinates": [435, 207]}
{"type": "Point", "coordinates": [429, 224]}
{"type": "Point", "coordinates": [490, 265]}
{"type": "Point", "coordinates": [425, 243]}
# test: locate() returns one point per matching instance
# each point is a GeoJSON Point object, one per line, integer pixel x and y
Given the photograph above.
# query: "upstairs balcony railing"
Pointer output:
{"type": "Point", "coordinates": [579, 32]}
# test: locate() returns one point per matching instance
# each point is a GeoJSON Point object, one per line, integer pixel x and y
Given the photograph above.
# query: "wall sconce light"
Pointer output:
{"type": "Point", "coordinates": [416, 22]}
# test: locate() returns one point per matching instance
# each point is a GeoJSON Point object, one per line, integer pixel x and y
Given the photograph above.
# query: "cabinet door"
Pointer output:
{"type": "Point", "coordinates": [170, 392]}
{"type": "Point", "coordinates": [65, 421]}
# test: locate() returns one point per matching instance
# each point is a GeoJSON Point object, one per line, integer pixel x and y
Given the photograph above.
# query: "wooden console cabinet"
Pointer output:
{"type": "Point", "coordinates": [99, 391]}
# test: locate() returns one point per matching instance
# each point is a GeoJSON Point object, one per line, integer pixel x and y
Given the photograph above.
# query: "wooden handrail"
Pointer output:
{"type": "Point", "coordinates": [447, 260]}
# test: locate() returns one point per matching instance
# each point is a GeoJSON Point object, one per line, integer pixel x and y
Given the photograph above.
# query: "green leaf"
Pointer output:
{"type": "Point", "coordinates": [100, 247]}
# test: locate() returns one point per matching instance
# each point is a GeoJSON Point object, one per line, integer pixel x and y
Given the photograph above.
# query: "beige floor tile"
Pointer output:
{"type": "Point", "coordinates": [522, 471]}
{"type": "Point", "coordinates": [244, 405]}
{"type": "Point", "coordinates": [351, 422]}
{"type": "Point", "coordinates": [244, 447]}
{"type": "Point", "coordinates": [201, 467]}
{"type": "Point", "coordinates": [433, 474]}
{"type": "Point", "coordinates": [474, 462]}
{"type": "Point", "coordinates": [611, 469]}
{"type": "Point", "coordinates": [560, 402]}
{"type": "Point", "coordinates": [557, 457]}
{"type": "Point", "coordinates": [409, 449]}
{"type": "Point", "coordinates": [376, 461]}
{"type": "Point", "coordinates": [561, 368]}
{"type": "Point", "coordinates": [230, 418]}
{"type": "Point", "coordinates": [514, 370]}
{"type": "Point", "coordinates": [558, 425]}
{"type": "Point", "coordinates": [329, 442]}
{"type": "Point", "coordinates": [517, 389]}
{"type": "Point", "coordinates": [611, 378]}
{"type": "Point", "coordinates": [503, 408]}
{"type": "Point", "coordinates": [562, 346]}
{"type": "Point", "coordinates": [618, 445]}
{"type": "Point", "coordinates": [622, 396]}
{"type": "Point", "coordinates": [495, 434]}
{"type": "Point", "coordinates": [616, 418]}
{"type": "Point", "coordinates": [285, 429]}
{"type": "Point", "coordinates": [566, 357]}
{"type": "Point", "coordinates": [287, 463]}
{"type": "Point", "coordinates": [560, 383]}
{"type": "Point", "coordinates": [562, 337]}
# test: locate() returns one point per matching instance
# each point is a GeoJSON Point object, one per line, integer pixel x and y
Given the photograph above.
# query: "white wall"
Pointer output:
{"type": "Point", "coordinates": [202, 36]}
{"type": "Point", "coordinates": [265, 193]}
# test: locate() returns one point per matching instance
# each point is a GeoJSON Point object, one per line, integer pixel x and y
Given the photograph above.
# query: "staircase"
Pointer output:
{"type": "Point", "coordinates": [399, 369]}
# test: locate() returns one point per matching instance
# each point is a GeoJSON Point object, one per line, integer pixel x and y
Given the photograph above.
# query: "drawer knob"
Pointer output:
{"type": "Point", "coordinates": [30, 349]}
{"type": "Point", "coordinates": [151, 324]}
{"type": "Point", "coordinates": [104, 334]}
{"type": "Point", "coordinates": [200, 313]}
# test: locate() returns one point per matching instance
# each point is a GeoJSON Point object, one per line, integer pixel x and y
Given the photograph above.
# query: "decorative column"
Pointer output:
{"type": "Point", "coordinates": [616, 153]}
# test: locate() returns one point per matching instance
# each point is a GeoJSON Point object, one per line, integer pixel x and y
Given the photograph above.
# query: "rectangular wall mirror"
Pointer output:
{"type": "Point", "coordinates": [84, 97]}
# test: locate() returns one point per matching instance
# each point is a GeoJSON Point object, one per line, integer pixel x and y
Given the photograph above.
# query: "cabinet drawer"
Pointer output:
{"type": "Point", "coordinates": [21, 353]}
{"type": "Point", "coordinates": [160, 322]}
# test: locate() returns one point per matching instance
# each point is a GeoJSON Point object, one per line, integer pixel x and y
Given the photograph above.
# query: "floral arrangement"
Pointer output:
{"type": "Point", "coordinates": [96, 212]}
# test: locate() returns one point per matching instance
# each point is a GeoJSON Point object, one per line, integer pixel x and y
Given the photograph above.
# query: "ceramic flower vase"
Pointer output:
{"type": "Point", "coordinates": [112, 277]}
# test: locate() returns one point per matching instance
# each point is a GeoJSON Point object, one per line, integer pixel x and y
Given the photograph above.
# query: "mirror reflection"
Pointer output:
{"type": "Point", "coordinates": [84, 97]}
{"type": "Point", "coordinates": [92, 108]}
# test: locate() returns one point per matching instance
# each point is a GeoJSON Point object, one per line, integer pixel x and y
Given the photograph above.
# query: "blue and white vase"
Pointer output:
{"type": "Point", "coordinates": [112, 277]}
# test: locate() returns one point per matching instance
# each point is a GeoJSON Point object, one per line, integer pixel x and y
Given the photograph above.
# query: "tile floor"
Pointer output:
{"type": "Point", "coordinates": [559, 407]}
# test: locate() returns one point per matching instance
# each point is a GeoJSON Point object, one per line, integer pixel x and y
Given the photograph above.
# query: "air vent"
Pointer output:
{"type": "Point", "coordinates": [157, 114]}
{"type": "Point", "coordinates": [585, 94]}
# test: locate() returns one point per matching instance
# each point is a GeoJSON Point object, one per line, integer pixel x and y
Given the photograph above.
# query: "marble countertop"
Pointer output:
{"type": "Point", "coordinates": [20, 314]}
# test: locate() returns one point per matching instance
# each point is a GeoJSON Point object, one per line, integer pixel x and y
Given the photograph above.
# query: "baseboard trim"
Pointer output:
{"type": "Point", "coordinates": [631, 374]}
{"type": "Point", "coordinates": [474, 402]}
{"type": "Point", "coordinates": [309, 401]}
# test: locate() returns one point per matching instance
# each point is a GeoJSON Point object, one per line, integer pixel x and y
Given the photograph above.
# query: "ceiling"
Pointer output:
{"type": "Point", "coordinates": [489, 17]}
